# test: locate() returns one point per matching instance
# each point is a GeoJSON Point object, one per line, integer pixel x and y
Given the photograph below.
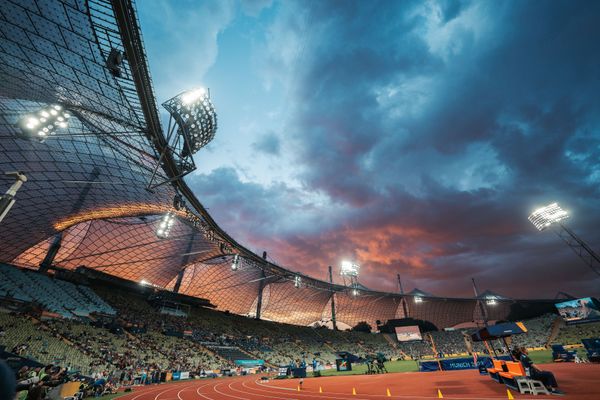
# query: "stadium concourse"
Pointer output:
{"type": "Point", "coordinates": [113, 274]}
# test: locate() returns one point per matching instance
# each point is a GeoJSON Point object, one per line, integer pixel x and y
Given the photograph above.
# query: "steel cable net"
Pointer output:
{"type": "Point", "coordinates": [127, 248]}
{"type": "Point", "coordinates": [367, 307]}
{"type": "Point", "coordinates": [213, 279]}
{"type": "Point", "coordinates": [442, 312]}
{"type": "Point", "coordinates": [496, 311]}
{"type": "Point", "coordinates": [89, 179]}
{"type": "Point", "coordinates": [298, 306]}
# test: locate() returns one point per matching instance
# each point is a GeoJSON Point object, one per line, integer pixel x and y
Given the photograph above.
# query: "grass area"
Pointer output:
{"type": "Point", "coordinates": [391, 366]}
{"type": "Point", "coordinates": [541, 356]}
{"type": "Point", "coordinates": [545, 356]}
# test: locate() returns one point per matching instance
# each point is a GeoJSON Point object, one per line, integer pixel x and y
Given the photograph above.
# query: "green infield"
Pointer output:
{"type": "Point", "coordinates": [538, 357]}
{"type": "Point", "coordinates": [391, 366]}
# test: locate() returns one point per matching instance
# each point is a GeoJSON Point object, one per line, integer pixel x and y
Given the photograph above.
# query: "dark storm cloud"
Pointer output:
{"type": "Point", "coordinates": [435, 131]}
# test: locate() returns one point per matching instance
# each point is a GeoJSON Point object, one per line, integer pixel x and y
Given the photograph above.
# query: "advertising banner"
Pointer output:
{"type": "Point", "coordinates": [249, 362]}
{"type": "Point", "coordinates": [452, 364]}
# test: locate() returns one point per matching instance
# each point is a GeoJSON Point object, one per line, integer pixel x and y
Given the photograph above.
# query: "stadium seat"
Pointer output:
{"type": "Point", "coordinates": [514, 373]}
{"type": "Point", "coordinates": [496, 369]}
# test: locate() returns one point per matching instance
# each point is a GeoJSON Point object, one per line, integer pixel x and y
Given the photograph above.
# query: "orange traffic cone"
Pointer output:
{"type": "Point", "coordinates": [388, 393]}
{"type": "Point", "coordinates": [440, 395]}
{"type": "Point", "coordinates": [354, 391]}
{"type": "Point", "coordinates": [320, 389]}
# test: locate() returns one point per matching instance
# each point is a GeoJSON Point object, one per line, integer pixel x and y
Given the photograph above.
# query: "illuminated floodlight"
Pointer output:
{"type": "Point", "coordinates": [164, 227]}
{"type": "Point", "coordinates": [491, 302]}
{"type": "Point", "coordinates": [192, 96]}
{"type": "Point", "coordinates": [235, 264]}
{"type": "Point", "coordinates": [355, 292]}
{"type": "Point", "coordinates": [418, 299]}
{"type": "Point", "coordinates": [144, 282]}
{"type": "Point", "coordinates": [544, 217]}
{"type": "Point", "coordinates": [195, 117]}
{"type": "Point", "coordinates": [349, 269]}
{"type": "Point", "coordinates": [297, 281]}
{"type": "Point", "coordinates": [45, 122]}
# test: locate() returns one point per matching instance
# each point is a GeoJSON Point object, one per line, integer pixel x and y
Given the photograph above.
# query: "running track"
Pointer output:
{"type": "Point", "coordinates": [578, 381]}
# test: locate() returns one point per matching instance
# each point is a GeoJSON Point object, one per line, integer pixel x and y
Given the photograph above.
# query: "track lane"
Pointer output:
{"type": "Point", "coordinates": [579, 381]}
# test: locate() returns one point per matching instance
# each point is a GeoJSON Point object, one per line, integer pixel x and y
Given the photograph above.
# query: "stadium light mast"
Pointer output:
{"type": "Point", "coordinates": [551, 216]}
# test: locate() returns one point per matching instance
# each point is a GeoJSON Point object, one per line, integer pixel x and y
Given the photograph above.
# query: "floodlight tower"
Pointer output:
{"type": "Point", "coordinates": [552, 215]}
{"type": "Point", "coordinates": [192, 125]}
{"type": "Point", "coordinates": [349, 270]}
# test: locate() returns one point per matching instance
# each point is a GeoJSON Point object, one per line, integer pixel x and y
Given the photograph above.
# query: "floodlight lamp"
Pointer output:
{"type": "Point", "coordinates": [191, 96]}
{"type": "Point", "coordinates": [163, 230]}
{"type": "Point", "coordinates": [144, 282]}
{"type": "Point", "coordinates": [491, 302]}
{"type": "Point", "coordinates": [544, 217]}
{"type": "Point", "coordinates": [44, 122]}
{"type": "Point", "coordinates": [195, 118]}
{"type": "Point", "coordinates": [235, 264]}
{"type": "Point", "coordinates": [355, 292]}
{"type": "Point", "coordinates": [297, 281]}
{"type": "Point", "coordinates": [418, 299]}
{"type": "Point", "coordinates": [349, 268]}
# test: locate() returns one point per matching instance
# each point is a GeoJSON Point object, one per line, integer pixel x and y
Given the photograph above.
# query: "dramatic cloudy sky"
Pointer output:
{"type": "Point", "coordinates": [412, 137]}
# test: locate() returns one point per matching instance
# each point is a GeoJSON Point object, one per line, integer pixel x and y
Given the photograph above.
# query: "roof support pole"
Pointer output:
{"type": "Point", "coordinates": [184, 261]}
{"type": "Point", "coordinates": [480, 303]}
{"type": "Point", "coordinates": [56, 243]}
{"type": "Point", "coordinates": [261, 286]}
{"type": "Point", "coordinates": [332, 300]}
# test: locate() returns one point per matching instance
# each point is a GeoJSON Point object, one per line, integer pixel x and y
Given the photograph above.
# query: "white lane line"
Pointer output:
{"type": "Point", "coordinates": [256, 394]}
{"type": "Point", "coordinates": [328, 395]}
{"type": "Point", "coordinates": [228, 395]}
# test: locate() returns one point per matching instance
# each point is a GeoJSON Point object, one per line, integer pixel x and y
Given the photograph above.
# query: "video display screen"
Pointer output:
{"type": "Point", "coordinates": [408, 333]}
{"type": "Point", "coordinates": [578, 311]}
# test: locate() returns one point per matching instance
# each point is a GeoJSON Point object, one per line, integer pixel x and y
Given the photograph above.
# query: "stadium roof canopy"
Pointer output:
{"type": "Point", "coordinates": [87, 197]}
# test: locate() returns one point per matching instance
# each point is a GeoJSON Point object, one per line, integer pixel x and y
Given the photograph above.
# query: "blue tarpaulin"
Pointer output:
{"type": "Point", "coordinates": [451, 364]}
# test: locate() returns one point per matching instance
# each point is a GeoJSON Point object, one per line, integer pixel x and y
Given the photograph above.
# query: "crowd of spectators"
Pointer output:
{"type": "Point", "coordinates": [139, 344]}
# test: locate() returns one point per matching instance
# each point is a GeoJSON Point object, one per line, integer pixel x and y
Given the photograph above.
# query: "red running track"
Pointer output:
{"type": "Point", "coordinates": [579, 381]}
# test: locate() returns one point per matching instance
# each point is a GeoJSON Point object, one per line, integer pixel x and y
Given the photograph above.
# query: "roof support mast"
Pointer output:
{"type": "Point", "coordinates": [56, 243]}
{"type": "Point", "coordinates": [261, 286]}
{"type": "Point", "coordinates": [332, 300]}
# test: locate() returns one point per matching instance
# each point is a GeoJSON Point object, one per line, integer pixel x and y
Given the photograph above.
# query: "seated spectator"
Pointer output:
{"type": "Point", "coordinates": [546, 377]}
